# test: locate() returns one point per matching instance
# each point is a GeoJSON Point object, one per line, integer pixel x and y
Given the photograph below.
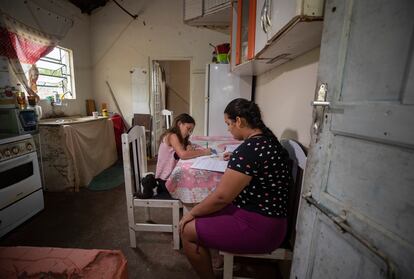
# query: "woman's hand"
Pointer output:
{"type": "Point", "coordinates": [227, 155]}
{"type": "Point", "coordinates": [188, 217]}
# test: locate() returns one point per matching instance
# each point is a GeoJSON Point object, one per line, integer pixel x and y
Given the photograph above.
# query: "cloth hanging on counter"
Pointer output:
{"type": "Point", "coordinates": [91, 149]}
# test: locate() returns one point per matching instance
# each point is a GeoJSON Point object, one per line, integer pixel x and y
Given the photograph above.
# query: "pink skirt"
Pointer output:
{"type": "Point", "coordinates": [240, 231]}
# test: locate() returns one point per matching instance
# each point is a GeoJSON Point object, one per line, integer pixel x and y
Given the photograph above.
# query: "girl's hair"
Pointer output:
{"type": "Point", "coordinates": [250, 111]}
{"type": "Point", "coordinates": [175, 129]}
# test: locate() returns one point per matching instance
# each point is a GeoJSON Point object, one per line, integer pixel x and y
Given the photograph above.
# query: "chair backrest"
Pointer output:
{"type": "Point", "coordinates": [134, 158]}
{"type": "Point", "coordinates": [298, 161]}
{"type": "Point", "coordinates": [168, 114]}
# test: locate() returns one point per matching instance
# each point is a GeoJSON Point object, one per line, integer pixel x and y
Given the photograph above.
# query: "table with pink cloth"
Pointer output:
{"type": "Point", "coordinates": [194, 185]}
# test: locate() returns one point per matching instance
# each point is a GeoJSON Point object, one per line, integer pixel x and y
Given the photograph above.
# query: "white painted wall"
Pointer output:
{"type": "Point", "coordinates": [284, 95]}
{"type": "Point", "coordinates": [120, 43]}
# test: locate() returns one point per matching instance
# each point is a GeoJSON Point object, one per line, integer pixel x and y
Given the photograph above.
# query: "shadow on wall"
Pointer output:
{"type": "Point", "coordinates": [293, 135]}
{"type": "Point", "coordinates": [289, 134]}
{"type": "Point", "coordinates": [308, 58]}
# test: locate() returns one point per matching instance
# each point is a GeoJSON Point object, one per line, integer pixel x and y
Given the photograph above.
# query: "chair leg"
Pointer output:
{"type": "Point", "coordinates": [147, 214]}
{"type": "Point", "coordinates": [175, 223]}
{"type": "Point", "coordinates": [131, 226]}
{"type": "Point", "coordinates": [228, 266]}
{"type": "Point", "coordinates": [132, 238]}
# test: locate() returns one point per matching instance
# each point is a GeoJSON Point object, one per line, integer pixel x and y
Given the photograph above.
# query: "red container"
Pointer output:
{"type": "Point", "coordinates": [119, 129]}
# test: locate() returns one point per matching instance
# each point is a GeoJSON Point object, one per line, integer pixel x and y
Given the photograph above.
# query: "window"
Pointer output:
{"type": "Point", "coordinates": [56, 74]}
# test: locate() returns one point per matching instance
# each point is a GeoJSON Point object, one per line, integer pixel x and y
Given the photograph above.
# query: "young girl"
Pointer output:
{"type": "Point", "coordinates": [175, 145]}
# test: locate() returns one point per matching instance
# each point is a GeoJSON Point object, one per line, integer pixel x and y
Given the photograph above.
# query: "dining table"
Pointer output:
{"type": "Point", "coordinates": [191, 185]}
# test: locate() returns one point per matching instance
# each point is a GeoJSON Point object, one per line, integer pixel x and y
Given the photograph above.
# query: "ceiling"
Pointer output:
{"type": "Point", "coordinates": [87, 6]}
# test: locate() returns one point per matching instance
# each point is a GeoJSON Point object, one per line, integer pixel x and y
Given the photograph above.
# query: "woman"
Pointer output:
{"type": "Point", "coordinates": [247, 211]}
{"type": "Point", "coordinates": [175, 145]}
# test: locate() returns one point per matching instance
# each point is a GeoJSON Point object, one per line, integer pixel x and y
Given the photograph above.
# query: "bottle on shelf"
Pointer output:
{"type": "Point", "coordinates": [20, 97]}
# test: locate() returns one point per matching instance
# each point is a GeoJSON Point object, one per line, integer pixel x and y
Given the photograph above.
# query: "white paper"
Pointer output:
{"type": "Point", "coordinates": [231, 147]}
{"type": "Point", "coordinates": [211, 163]}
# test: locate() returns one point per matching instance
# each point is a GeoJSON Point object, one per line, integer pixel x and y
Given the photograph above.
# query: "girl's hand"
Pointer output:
{"type": "Point", "coordinates": [190, 147]}
{"type": "Point", "coordinates": [227, 155]}
{"type": "Point", "coordinates": [207, 151]}
{"type": "Point", "coordinates": [188, 217]}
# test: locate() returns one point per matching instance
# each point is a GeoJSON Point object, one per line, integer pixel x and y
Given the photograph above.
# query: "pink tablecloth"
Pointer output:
{"type": "Point", "coordinates": [193, 185]}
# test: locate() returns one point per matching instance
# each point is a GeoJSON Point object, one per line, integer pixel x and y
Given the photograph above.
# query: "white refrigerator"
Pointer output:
{"type": "Point", "coordinates": [222, 87]}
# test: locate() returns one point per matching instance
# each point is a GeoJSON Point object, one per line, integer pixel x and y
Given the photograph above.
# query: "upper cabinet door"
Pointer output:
{"type": "Point", "coordinates": [261, 28]}
{"type": "Point", "coordinates": [244, 23]}
{"type": "Point", "coordinates": [281, 13]}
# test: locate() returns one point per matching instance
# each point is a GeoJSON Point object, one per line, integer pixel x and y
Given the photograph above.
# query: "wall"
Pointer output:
{"type": "Point", "coordinates": [78, 40]}
{"type": "Point", "coordinates": [120, 43]}
{"type": "Point", "coordinates": [284, 95]}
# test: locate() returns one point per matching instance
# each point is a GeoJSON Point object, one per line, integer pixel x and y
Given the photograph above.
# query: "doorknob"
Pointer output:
{"type": "Point", "coordinates": [321, 103]}
{"type": "Point", "coordinates": [319, 109]}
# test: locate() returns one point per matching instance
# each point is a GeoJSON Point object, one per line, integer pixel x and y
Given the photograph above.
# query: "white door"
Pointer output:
{"type": "Point", "coordinates": [361, 165]}
{"type": "Point", "coordinates": [156, 106]}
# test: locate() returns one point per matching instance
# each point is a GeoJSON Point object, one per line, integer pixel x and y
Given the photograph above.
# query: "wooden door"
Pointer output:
{"type": "Point", "coordinates": [356, 216]}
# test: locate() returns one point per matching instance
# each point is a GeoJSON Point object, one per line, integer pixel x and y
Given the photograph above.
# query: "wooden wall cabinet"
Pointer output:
{"type": "Point", "coordinates": [274, 32]}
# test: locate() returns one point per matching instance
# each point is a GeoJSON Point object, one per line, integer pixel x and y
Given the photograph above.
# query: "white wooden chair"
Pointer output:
{"type": "Point", "coordinates": [135, 168]}
{"type": "Point", "coordinates": [285, 252]}
{"type": "Point", "coordinates": [168, 114]}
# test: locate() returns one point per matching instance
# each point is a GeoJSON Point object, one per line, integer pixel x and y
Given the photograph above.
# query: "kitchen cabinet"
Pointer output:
{"type": "Point", "coordinates": [277, 32]}
{"type": "Point", "coordinates": [207, 12]}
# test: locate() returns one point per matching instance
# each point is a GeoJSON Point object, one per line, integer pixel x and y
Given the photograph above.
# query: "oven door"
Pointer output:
{"type": "Point", "coordinates": [19, 177]}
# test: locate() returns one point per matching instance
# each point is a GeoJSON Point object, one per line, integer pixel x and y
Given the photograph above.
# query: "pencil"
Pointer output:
{"type": "Point", "coordinates": [206, 144]}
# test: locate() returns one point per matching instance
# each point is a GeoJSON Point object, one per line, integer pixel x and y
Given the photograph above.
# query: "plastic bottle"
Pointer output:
{"type": "Point", "coordinates": [57, 99]}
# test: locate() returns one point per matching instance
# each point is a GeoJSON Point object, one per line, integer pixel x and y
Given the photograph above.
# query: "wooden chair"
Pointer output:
{"type": "Point", "coordinates": [168, 114]}
{"type": "Point", "coordinates": [135, 168]}
{"type": "Point", "coordinates": [285, 252]}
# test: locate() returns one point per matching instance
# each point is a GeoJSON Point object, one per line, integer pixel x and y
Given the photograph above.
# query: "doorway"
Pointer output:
{"type": "Point", "coordinates": [170, 89]}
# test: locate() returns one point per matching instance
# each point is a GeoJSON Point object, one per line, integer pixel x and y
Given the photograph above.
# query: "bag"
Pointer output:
{"type": "Point", "coordinates": [148, 184]}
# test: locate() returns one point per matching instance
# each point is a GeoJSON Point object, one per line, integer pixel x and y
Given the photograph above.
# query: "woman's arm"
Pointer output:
{"type": "Point", "coordinates": [231, 184]}
{"type": "Point", "coordinates": [182, 152]}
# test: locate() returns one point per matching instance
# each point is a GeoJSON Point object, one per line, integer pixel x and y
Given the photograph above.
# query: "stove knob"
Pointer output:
{"type": "Point", "coordinates": [29, 146]}
{"type": "Point", "coordinates": [7, 153]}
{"type": "Point", "coordinates": [15, 150]}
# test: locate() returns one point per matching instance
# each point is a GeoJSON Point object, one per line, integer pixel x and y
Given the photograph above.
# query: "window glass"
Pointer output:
{"type": "Point", "coordinates": [56, 74]}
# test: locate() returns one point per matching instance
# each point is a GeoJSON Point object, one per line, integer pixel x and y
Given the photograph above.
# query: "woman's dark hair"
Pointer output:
{"type": "Point", "coordinates": [175, 129]}
{"type": "Point", "coordinates": [250, 111]}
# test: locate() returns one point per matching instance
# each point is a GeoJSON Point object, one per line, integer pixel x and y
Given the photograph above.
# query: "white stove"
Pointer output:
{"type": "Point", "coordinates": [21, 194]}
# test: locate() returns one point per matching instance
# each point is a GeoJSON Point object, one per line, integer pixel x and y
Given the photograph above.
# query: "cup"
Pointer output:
{"type": "Point", "coordinates": [95, 114]}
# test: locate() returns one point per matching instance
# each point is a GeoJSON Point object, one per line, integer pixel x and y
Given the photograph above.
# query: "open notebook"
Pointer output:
{"type": "Point", "coordinates": [211, 163]}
